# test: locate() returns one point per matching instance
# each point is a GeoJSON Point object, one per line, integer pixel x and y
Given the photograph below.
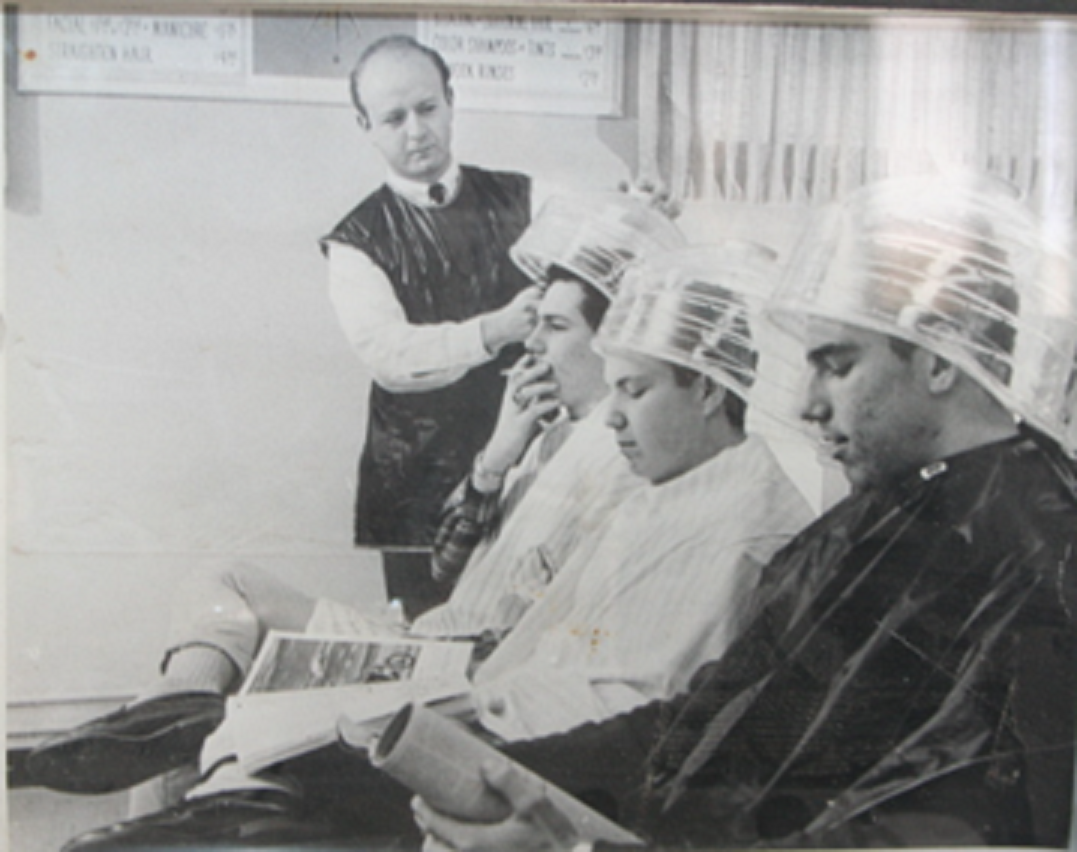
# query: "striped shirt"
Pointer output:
{"type": "Point", "coordinates": [665, 589]}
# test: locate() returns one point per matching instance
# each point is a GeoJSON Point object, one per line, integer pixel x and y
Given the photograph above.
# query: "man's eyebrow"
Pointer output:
{"type": "Point", "coordinates": [830, 350]}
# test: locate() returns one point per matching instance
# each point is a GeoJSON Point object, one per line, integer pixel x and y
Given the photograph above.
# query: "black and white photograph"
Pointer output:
{"type": "Point", "coordinates": [700, 379]}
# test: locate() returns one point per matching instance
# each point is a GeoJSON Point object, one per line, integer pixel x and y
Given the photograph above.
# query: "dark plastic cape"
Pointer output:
{"type": "Point", "coordinates": [909, 680]}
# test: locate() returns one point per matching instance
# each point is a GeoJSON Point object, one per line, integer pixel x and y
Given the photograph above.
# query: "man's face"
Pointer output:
{"type": "Point", "coordinates": [562, 339]}
{"type": "Point", "coordinates": [410, 118]}
{"type": "Point", "coordinates": [659, 424]}
{"type": "Point", "coordinates": [870, 405]}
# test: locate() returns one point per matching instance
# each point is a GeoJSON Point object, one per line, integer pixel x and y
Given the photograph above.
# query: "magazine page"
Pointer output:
{"type": "Point", "coordinates": [298, 661]}
{"type": "Point", "coordinates": [300, 686]}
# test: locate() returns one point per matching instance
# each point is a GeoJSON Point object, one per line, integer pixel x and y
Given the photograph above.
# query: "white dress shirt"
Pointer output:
{"type": "Point", "coordinates": [665, 590]}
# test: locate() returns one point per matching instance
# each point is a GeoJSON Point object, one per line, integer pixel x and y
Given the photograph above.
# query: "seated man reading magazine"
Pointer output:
{"type": "Point", "coordinates": [671, 577]}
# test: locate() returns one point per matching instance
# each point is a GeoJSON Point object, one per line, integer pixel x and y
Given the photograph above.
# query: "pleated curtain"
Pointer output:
{"type": "Point", "coordinates": [800, 114]}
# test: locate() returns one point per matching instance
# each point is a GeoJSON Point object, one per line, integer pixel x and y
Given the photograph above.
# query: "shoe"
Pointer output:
{"type": "Point", "coordinates": [244, 818]}
{"type": "Point", "coordinates": [129, 746]}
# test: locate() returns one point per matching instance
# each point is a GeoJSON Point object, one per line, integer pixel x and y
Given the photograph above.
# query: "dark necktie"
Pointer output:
{"type": "Point", "coordinates": [437, 193]}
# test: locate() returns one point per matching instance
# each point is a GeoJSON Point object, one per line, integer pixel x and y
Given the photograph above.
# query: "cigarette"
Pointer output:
{"type": "Point", "coordinates": [524, 363]}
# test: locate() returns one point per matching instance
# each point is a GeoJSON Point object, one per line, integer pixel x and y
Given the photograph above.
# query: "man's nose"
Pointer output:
{"type": "Point", "coordinates": [535, 342]}
{"type": "Point", "coordinates": [814, 405]}
{"type": "Point", "coordinates": [615, 419]}
{"type": "Point", "coordinates": [414, 125]}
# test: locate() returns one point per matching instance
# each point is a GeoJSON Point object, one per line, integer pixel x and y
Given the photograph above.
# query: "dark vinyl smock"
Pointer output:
{"type": "Point", "coordinates": [446, 264]}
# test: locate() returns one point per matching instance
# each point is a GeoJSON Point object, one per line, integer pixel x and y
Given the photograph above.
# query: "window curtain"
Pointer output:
{"type": "Point", "coordinates": [800, 114]}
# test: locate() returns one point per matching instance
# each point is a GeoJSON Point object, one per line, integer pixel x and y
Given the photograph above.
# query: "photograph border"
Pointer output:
{"type": "Point", "coordinates": [1013, 13]}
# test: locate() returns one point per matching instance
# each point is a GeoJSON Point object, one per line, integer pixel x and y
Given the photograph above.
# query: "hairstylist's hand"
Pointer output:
{"type": "Point", "coordinates": [513, 322]}
{"type": "Point", "coordinates": [655, 193]}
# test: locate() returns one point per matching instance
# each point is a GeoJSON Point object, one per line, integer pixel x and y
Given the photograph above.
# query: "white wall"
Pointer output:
{"type": "Point", "coordinates": [179, 392]}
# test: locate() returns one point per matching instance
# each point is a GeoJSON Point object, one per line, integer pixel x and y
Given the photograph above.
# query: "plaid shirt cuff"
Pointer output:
{"type": "Point", "coordinates": [468, 517]}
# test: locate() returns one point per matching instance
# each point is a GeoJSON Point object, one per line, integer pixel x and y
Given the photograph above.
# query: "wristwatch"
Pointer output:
{"type": "Point", "coordinates": [485, 481]}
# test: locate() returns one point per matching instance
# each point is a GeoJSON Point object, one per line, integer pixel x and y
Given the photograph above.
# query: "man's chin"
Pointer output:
{"type": "Point", "coordinates": [426, 169]}
{"type": "Point", "coordinates": [634, 466]}
{"type": "Point", "coordinates": [862, 478]}
{"type": "Point", "coordinates": [858, 478]}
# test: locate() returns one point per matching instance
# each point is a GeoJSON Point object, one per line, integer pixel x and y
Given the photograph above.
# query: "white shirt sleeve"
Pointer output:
{"type": "Point", "coordinates": [401, 357]}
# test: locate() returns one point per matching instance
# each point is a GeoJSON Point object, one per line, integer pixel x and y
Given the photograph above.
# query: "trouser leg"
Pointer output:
{"type": "Point", "coordinates": [231, 608]}
{"type": "Point", "coordinates": [408, 579]}
{"type": "Point", "coordinates": [220, 618]}
{"type": "Point", "coordinates": [346, 789]}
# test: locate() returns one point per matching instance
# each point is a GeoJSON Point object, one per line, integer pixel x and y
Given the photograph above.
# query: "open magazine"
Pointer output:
{"type": "Point", "coordinates": [439, 759]}
{"type": "Point", "coordinates": [300, 685]}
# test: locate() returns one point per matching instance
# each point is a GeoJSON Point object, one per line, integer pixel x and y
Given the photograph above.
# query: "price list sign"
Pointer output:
{"type": "Point", "coordinates": [531, 64]}
{"type": "Point", "coordinates": [130, 53]}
